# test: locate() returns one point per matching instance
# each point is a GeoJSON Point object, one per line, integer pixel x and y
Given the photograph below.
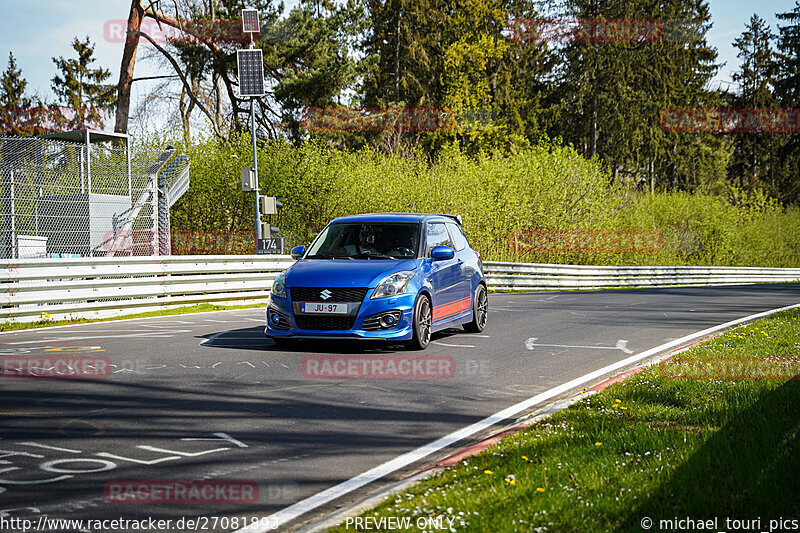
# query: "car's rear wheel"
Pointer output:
{"type": "Point", "coordinates": [480, 311]}
{"type": "Point", "coordinates": [423, 324]}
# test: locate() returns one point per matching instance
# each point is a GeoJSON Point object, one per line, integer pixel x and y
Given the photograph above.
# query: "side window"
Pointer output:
{"type": "Point", "coordinates": [458, 237]}
{"type": "Point", "coordinates": [436, 236]}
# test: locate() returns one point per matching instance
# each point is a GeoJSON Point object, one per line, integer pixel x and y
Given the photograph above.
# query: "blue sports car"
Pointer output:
{"type": "Point", "coordinates": [388, 276]}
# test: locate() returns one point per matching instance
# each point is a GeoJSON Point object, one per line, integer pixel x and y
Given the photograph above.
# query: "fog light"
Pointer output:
{"type": "Point", "coordinates": [275, 318]}
{"type": "Point", "coordinates": [388, 320]}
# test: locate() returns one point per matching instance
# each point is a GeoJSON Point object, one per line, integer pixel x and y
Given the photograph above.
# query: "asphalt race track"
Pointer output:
{"type": "Point", "coordinates": [208, 397]}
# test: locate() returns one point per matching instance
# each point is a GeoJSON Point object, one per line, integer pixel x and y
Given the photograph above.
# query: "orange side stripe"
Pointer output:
{"type": "Point", "coordinates": [452, 308]}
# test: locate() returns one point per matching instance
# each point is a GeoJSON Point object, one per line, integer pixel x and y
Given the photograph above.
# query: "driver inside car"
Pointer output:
{"type": "Point", "coordinates": [367, 244]}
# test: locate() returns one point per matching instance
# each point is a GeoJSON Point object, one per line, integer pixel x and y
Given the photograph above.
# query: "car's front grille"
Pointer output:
{"type": "Point", "coordinates": [336, 294]}
{"type": "Point", "coordinates": [320, 322]}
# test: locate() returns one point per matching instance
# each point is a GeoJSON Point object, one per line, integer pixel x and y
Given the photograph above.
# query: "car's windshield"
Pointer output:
{"type": "Point", "coordinates": [371, 240]}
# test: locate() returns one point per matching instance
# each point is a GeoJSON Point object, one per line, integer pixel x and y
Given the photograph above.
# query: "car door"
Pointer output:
{"type": "Point", "coordinates": [450, 291]}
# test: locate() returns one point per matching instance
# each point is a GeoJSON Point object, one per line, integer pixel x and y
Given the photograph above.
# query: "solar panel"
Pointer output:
{"type": "Point", "coordinates": [250, 21]}
{"type": "Point", "coordinates": [251, 72]}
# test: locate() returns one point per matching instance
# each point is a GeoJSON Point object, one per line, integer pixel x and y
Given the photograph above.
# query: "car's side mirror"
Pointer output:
{"type": "Point", "coordinates": [298, 252]}
{"type": "Point", "coordinates": [442, 253]}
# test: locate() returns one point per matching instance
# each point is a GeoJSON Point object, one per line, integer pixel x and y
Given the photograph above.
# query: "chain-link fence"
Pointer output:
{"type": "Point", "coordinates": [71, 199]}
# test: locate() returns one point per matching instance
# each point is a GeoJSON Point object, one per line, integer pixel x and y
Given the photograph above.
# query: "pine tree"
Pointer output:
{"type": "Point", "coordinates": [753, 163]}
{"type": "Point", "coordinates": [80, 86]}
{"type": "Point", "coordinates": [612, 91]}
{"type": "Point", "coordinates": [16, 111]}
{"type": "Point", "coordinates": [12, 92]}
{"type": "Point", "coordinates": [787, 90]}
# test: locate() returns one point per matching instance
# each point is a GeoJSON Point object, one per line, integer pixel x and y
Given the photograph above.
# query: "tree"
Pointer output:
{"type": "Point", "coordinates": [404, 52]}
{"type": "Point", "coordinates": [754, 159]}
{"type": "Point", "coordinates": [458, 57]}
{"type": "Point", "coordinates": [12, 93]}
{"type": "Point", "coordinates": [306, 59]}
{"type": "Point", "coordinates": [18, 113]}
{"type": "Point", "coordinates": [613, 89]}
{"type": "Point", "coordinates": [787, 90]}
{"type": "Point", "coordinates": [80, 86]}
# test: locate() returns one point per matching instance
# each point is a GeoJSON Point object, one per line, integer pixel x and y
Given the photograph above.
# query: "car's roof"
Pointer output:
{"type": "Point", "coordinates": [396, 217]}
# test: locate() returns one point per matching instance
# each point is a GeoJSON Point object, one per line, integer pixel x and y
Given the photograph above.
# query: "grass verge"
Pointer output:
{"type": "Point", "coordinates": [188, 309]}
{"type": "Point", "coordinates": [711, 433]}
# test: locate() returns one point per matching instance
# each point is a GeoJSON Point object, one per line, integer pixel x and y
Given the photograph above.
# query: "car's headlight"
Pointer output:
{"type": "Point", "coordinates": [279, 285]}
{"type": "Point", "coordinates": [393, 285]}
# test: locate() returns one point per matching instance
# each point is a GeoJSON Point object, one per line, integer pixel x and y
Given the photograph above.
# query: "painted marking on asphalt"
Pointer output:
{"type": "Point", "coordinates": [149, 334]}
{"type": "Point", "coordinates": [440, 343]}
{"type": "Point", "coordinates": [332, 493]}
{"type": "Point", "coordinates": [622, 346]}
{"type": "Point", "coordinates": [259, 320]}
{"type": "Point", "coordinates": [46, 447]}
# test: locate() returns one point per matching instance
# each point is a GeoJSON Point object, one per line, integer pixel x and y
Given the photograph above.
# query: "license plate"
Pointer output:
{"type": "Point", "coordinates": [324, 308]}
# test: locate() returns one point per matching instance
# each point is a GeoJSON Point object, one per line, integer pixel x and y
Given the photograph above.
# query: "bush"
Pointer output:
{"type": "Point", "coordinates": [544, 186]}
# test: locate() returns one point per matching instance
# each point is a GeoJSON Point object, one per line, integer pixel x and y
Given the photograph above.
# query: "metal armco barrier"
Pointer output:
{"type": "Point", "coordinates": [532, 276]}
{"type": "Point", "coordinates": [112, 286]}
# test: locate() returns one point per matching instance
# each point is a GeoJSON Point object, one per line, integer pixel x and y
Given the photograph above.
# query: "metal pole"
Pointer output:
{"type": "Point", "coordinates": [255, 168]}
{"type": "Point", "coordinates": [88, 163]}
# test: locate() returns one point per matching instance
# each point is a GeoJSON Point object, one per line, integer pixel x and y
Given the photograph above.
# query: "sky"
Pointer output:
{"type": "Point", "coordinates": [38, 30]}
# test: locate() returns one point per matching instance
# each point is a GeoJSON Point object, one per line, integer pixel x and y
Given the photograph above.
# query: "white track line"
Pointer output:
{"type": "Point", "coordinates": [105, 322]}
{"type": "Point", "coordinates": [302, 507]}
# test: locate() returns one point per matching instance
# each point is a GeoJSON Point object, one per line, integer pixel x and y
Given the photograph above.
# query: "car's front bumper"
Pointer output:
{"type": "Point", "coordinates": [402, 330]}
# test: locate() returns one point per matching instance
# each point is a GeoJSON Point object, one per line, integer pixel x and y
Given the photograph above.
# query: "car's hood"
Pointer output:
{"type": "Point", "coordinates": [344, 272]}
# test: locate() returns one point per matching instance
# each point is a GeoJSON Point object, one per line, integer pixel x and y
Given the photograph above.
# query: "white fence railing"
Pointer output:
{"type": "Point", "coordinates": [108, 286]}
{"type": "Point", "coordinates": [532, 276]}
{"type": "Point", "coordinates": [104, 286]}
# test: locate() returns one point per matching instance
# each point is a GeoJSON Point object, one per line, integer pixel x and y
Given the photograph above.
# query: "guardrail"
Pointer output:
{"type": "Point", "coordinates": [109, 286]}
{"type": "Point", "coordinates": [105, 286]}
{"type": "Point", "coordinates": [533, 276]}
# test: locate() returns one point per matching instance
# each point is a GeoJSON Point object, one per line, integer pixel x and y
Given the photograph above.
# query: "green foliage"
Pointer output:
{"type": "Point", "coordinates": [541, 187]}
{"type": "Point", "coordinates": [80, 86]}
{"type": "Point", "coordinates": [12, 92]}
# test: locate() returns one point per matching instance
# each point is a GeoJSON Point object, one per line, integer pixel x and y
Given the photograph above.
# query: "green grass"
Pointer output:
{"type": "Point", "coordinates": [198, 308]}
{"type": "Point", "coordinates": [651, 446]}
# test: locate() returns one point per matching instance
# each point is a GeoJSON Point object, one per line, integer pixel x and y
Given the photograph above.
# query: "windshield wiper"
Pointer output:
{"type": "Point", "coordinates": [369, 255]}
{"type": "Point", "coordinates": [326, 256]}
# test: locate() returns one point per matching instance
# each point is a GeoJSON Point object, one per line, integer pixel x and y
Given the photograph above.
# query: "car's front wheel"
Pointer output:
{"type": "Point", "coordinates": [423, 324]}
{"type": "Point", "coordinates": [480, 311]}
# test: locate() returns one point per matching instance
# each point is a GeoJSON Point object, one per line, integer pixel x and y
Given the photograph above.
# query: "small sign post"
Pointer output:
{"type": "Point", "coordinates": [270, 246]}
